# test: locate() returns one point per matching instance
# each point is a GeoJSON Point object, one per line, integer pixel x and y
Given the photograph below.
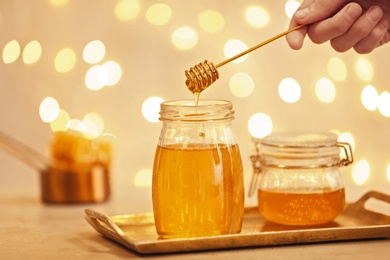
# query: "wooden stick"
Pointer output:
{"type": "Point", "coordinates": [258, 45]}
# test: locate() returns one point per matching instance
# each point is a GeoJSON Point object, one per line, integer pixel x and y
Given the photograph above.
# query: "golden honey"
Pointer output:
{"type": "Point", "coordinates": [301, 208]}
{"type": "Point", "coordinates": [198, 190]}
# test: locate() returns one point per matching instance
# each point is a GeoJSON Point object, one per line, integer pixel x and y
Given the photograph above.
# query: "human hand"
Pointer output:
{"type": "Point", "coordinates": [361, 25]}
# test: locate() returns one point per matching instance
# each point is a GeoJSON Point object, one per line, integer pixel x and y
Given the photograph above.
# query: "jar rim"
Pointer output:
{"type": "Point", "coordinates": [300, 139]}
{"type": "Point", "coordinates": [191, 102]}
{"type": "Point", "coordinates": [205, 110]}
{"type": "Point", "coordinates": [295, 146]}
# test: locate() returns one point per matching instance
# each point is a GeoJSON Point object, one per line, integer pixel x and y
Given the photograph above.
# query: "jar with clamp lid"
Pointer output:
{"type": "Point", "coordinates": [197, 187]}
{"type": "Point", "coordinates": [297, 177]}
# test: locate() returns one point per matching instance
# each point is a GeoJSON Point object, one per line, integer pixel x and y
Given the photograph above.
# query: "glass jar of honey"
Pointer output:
{"type": "Point", "coordinates": [297, 177]}
{"type": "Point", "coordinates": [198, 187]}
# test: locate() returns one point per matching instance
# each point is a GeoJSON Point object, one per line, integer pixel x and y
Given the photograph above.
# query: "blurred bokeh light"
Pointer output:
{"type": "Point", "coordinates": [11, 51]}
{"type": "Point", "coordinates": [369, 98]}
{"type": "Point", "coordinates": [361, 172]}
{"type": "Point", "coordinates": [241, 84]}
{"type": "Point", "coordinates": [211, 21]}
{"type": "Point", "coordinates": [325, 90]}
{"type": "Point", "coordinates": [290, 7]}
{"type": "Point", "coordinates": [347, 138]}
{"type": "Point", "coordinates": [96, 77]}
{"type": "Point", "coordinates": [184, 38]}
{"type": "Point", "coordinates": [337, 69]}
{"type": "Point", "coordinates": [127, 10]}
{"type": "Point", "coordinates": [384, 104]}
{"type": "Point", "coordinates": [257, 16]}
{"type": "Point", "coordinates": [32, 52]}
{"type": "Point", "coordinates": [94, 52]}
{"type": "Point", "coordinates": [289, 90]}
{"type": "Point", "coordinates": [49, 109]}
{"type": "Point", "coordinates": [94, 125]}
{"type": "Point", "coordinates": [151, 109]}
{"type": "Point", "coordinates": [65, 60]}
{"type": "Point", "coordinates": [260, 125]}
{"type": "Point", "coordinates": [105, 66]}
{"type": "Point", "coordinates": [364, 69]}
{"type": "Point", "coordinates": [143, 178]}
{"type": "Point", "coordinates": [158, 14]}
{"type": "Point", "coordinates": [234, 47]}
{"type": "Point", "coordinates": [59, 124]}
{"type": "Point", "coordinates": [58, 2]}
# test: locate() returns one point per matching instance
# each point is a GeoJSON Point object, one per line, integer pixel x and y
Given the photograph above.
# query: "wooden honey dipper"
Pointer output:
{"type": "Point", "coordinates": [202, 75]}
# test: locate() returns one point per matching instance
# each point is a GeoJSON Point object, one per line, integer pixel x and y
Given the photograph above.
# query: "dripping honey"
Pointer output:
{"type": "Point", "coordinates": [198, 190]}
{"type": "Point", "coordinates": [196, 97]}
{"type": "Point", "coordinates": [301, 208]}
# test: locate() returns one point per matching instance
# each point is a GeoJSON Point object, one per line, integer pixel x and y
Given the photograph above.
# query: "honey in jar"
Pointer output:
{"type": "Point", "coordinates": [301, 208]}
{"type": "Point", "coordinates": [299, 179]}
{"type": "Point", "coordinates": [198, 187]}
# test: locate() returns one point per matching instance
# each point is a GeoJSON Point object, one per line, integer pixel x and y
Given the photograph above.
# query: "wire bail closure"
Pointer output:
{"type": "Point", "coordinates": [345, 160]}
{"type": "Point", "coordinates": [348, 159]}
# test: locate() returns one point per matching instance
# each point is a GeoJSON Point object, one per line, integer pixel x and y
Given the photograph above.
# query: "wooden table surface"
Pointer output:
{"type": "Point", "coordinates": [30, 228]}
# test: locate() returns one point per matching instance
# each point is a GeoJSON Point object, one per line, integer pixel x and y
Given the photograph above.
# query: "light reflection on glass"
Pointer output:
{"type": "Point", "coordinates": [369, 98]}
{"type": "Point", "coordinates": [11, 51]}
{"type": "Point", "coordinates": [260, 125]}
{"type": "Point", "coordinates": [289, 90]}
{"type": "Point", "coordinates": [158, 14]}
{"type": "Point", "coordinates": [241, 85]}
{"type": "Point", "coordinates": [184, 38]}
{"type": "Point", "coordinates": [257, 16]}
{"type": "Point", "coordinates": [234, 47]}
{"type": "Point", "coordinates": [211, 21]}
{"type": "Point", "coordinates": [151, 109]}
{"type": "Point", "coordinates": [361, 172]}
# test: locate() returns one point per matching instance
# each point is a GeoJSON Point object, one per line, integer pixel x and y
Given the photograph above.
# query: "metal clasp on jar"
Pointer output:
{"type": "Point", "coordinates": [345, 159]}
{"type": "Point", "coordinates": [346, 148]}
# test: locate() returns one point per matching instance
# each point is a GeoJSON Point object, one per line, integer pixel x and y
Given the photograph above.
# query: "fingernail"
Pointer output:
{"type": "Point", "coordinates": [353, 12]}
{"type": "Point", "coordinates": [302, 13]}
{"type": "Point", "coordinates": [375, 14]}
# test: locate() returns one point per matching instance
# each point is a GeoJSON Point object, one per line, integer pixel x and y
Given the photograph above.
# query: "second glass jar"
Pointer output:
{"type": "Point", "coordinates": [198, 187]}
{"type": "Point", "coordinates": [299, 178]}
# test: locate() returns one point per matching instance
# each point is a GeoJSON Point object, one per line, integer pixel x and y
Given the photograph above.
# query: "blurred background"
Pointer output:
{"type": "Point", "coordinates": [110, 63]}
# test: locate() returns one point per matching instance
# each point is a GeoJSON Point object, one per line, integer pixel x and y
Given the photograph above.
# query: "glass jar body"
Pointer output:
{"type": "Point", "coordinates": [198, 187]}
{"type": "Point", "coordinates": [298, 179]}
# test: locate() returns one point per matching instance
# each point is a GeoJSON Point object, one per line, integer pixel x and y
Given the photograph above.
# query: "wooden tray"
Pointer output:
{"type": "Point", "coordinates": [137, 231]}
